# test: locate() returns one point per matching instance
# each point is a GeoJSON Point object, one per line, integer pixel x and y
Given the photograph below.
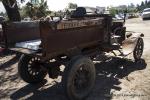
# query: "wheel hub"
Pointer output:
{"type": "Point", "coordinates": [139, 49]}
{"type": "Point", "coordinates": [81, 79]}
{"type": "Point", "coordinates": [34, 66]}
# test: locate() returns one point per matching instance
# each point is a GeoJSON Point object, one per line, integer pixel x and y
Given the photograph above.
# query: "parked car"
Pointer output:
{"type": "Point", "coordinates": [118, 17]}
{"type": "Point", "coordinates": [146, 14]}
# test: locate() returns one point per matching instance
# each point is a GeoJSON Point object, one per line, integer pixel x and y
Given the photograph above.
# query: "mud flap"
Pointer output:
{"type": "Point", "coordinates": [130, 43]}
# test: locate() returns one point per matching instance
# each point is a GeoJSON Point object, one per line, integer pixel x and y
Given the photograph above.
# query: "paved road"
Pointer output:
{"type": "Point", "coordinates": [118, 79]}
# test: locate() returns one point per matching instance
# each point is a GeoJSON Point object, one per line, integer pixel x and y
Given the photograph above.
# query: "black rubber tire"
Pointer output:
{"type": "Point", "coordinates": [69, 77]}
{"type": "Point", "coordinates": [24, 71]}
{"type": "Point", "coordinates": [136, 53]}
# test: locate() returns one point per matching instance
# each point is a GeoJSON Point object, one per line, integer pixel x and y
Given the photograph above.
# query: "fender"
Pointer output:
{"type": "Point", "coordinates": [130, 43]}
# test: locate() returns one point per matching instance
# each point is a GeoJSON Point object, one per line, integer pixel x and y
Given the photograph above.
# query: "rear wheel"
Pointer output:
{"type": "Point", "coordinates": [31, 70]}
{"type": "Point", "coordinates": [79, 78]}
{"type": "Point", "coordinates": [138, 51]}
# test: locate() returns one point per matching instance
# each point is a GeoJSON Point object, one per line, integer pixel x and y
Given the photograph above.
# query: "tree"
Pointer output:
{"type": "Point", "coordinates": [28, 10]}
{"type": "Point", "coordinates": [42, 9]}
{"type": "Point", "coordinates": [12, 9]}
{"type": "Point", "coordinates": [148, 4]}
{"type": "Point", "coordinates": [143, 5]}
{"type": "Point", "coordinates": [113, 11]}
{"type": "Point", "coordinates": [72, 6]}
{"type": "Point", "coordinates": [131, 5]}
{"type": "Point", "coordinates": [37, 10]}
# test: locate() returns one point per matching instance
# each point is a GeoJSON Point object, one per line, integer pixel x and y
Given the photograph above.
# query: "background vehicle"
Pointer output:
{"type": "Point", "coordinates": [119, 17]}
{"type": "Point", "coordinates": [146, 14]}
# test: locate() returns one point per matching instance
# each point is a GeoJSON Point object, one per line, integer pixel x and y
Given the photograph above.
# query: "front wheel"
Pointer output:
{"type": "Point", "coordinates": [31, 70]}
{"type": "Point", "coordinates": [79, 78]}
{"type": "Point", "coordinates": [138, 51]}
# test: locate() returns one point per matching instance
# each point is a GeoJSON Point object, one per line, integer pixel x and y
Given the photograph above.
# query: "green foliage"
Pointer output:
{"type": "Point", "coordinates": [113, 11]}
{"type": "Point", "coordinates": [130, 9]}
{"type": "Point", "coordinates": [143, 5]}
{"type": "Point", "coordinates": [123, 9]}
{"type": "Point", "coordinates": [72, 6]}
{"type": "Point", "coordinates": [35, 10]}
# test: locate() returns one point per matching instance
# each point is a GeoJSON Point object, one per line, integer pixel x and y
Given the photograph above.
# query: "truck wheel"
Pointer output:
{"type": "Point", "coordinates": [79, 78]}
{"type": "Point", "coordinates": [30, 69]}
{"type": "Point", "coordinates": [138, 51]}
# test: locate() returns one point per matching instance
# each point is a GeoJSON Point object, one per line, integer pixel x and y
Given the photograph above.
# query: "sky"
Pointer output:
{"type": "Point", "coordinates": [56, 5]}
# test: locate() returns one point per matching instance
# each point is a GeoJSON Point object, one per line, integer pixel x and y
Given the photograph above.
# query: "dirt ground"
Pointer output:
{"type": "Point", "coordinates": [119, 79]}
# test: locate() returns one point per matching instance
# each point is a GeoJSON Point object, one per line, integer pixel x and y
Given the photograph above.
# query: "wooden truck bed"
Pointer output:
{"type": "Point", "coordinates": [50, 38]}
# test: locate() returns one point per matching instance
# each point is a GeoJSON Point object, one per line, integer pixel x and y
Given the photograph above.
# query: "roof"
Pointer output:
{"type": "Point", "coordinates": [146, 8]}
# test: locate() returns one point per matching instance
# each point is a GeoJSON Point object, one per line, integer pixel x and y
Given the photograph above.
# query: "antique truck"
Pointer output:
{"type": "Point", "coordinates": [72, 42]}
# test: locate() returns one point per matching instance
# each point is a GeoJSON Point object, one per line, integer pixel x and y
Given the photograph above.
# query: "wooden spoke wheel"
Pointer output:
{"type": "Point", "coordinates": [30, 69]}
{"type": "Point", "coordinates": [79, 78]}
{"type": "Point", "coordinates": [138, 51]}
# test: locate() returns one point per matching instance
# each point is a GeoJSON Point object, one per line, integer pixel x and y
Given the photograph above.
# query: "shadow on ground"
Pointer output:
{"type": "Point", "coordinates": [10, 62]}
{"type": "Point", "coordinates": [108, 75]}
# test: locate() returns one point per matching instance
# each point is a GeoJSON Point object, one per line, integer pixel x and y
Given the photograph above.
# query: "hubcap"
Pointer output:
{"type": "Point", "coordinates": [34, 67]}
